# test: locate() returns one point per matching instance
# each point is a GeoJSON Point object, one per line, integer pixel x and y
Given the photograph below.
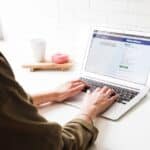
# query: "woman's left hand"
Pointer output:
{"type": "Point", "coordinates": [70, 89]}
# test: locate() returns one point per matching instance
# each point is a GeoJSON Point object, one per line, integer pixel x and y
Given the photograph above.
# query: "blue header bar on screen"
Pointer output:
{"type": "Point", "coordinates": [121, 39]}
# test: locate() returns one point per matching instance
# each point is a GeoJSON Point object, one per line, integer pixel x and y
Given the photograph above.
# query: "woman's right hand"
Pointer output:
{"type": "Point", "coordinates": [98, 101]}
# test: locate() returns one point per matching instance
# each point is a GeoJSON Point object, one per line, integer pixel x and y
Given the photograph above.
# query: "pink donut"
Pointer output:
{"type": "Point", "coordinates": [60, 58]}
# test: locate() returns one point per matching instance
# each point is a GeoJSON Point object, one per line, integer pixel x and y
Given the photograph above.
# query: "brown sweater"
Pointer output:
{"type": "Point", "coordinates": [22, 128]}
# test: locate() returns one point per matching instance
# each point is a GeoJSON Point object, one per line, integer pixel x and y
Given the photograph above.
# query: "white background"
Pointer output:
{"type": "Point", "coordinates": [50, 18]}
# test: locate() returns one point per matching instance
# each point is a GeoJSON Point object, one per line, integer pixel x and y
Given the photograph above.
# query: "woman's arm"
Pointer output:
{"type": "Point", "coordinates": [62, 93]}
{"type": "Point", "coordinates": [24, 128]}
{"type": "Point", "coordinates": [74, 134]}
{"type": "Point", "coordinates": [44, 97]}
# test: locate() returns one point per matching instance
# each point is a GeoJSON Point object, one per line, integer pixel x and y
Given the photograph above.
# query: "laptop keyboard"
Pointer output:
{"type": "Point", "coordinates": [125, 95]}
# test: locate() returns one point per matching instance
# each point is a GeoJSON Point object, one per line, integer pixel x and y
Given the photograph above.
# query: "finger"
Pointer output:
{"type": "Point", "coordinates": [110, 92]}
{"type": "Point", "coordinates": [104, 89]}
{"type": "Point", "coordinates": [109, 101]}
{"type": "Point", "coordinates": [81, 82]}
{"type": "Point", "coordinates": [78, 83]}
{"type": "Point", "coordinates": [114, 98]}
{"type": "Point", "coordinates": [76, 88]}
{"type": "Point", "coordinates": [73, 84]}
{"type": "Point", "coordinates": [85, 83]}
{"type": "Point", "coordinates": [77, 80]}
{"type": "Point", "coordinates": [97, 89]}
{"type": "Point", "coordinates": [72, 93]}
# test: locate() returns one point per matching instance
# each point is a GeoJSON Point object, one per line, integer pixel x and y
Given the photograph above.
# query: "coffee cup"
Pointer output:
{"type": "Point", "coordinates": [38, 47]}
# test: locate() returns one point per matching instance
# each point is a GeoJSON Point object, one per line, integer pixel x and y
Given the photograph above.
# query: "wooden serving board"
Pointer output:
{"type": "Point", "coordinates": [48, 66]}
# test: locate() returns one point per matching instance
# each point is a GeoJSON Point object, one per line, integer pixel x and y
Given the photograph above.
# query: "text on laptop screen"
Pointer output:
{"type": "Point", "coordinates": [120, 56]}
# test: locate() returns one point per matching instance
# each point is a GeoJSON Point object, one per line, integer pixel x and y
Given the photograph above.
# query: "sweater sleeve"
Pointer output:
{"type": "Point", "coordinates": [78, 135]}
{"type": "Point", "coordinates": [21, 126]}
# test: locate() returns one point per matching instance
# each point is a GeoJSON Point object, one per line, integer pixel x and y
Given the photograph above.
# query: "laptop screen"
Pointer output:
{"type": "Point", "coordinates": [121, 56]}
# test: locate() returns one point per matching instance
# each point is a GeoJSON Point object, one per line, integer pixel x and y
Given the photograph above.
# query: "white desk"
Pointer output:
{"type": "Point", "coordinates": [132, 132]}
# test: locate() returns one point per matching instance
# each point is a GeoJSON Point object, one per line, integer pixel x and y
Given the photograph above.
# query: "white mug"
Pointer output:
{"type": "Point", "coordinates": [38, 48]}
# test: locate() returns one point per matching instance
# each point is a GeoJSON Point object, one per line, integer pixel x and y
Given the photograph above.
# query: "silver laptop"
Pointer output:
{"type": "Point", "coordinates": [119, 61]}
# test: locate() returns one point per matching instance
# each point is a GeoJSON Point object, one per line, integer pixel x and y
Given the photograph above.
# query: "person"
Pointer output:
{"type": "Point", "coordinates": [22, 128]}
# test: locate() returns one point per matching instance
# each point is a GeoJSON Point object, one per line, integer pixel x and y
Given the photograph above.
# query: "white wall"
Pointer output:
{"type": "Point", "coordinates": [1, 32]}
{"type": "Point", "coordinates": [54, 18]}
{"type": "Point", "coordinates": [130, 14]}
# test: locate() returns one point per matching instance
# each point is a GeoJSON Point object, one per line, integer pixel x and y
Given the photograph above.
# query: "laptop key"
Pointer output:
{"type": "Point", "coordinates": [125, 95]}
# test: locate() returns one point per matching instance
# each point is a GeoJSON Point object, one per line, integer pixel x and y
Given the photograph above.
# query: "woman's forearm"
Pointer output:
{"type": "Point", "coordinates": [44, 97]}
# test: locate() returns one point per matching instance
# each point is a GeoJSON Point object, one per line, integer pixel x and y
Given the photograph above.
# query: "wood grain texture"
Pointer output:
{"type": "Point", "coordinates": [48, 66]}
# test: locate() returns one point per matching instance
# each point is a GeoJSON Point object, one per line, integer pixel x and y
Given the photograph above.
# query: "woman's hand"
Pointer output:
{"type": "Point", "coordinates": [69, 90]}
{"type": "Point", "coordinates": [98, 101]}
{"type": "Point", "coordinates": [64, 92]}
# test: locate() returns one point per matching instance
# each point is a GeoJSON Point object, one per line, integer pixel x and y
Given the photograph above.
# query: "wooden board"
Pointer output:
{"type": "Point", "coordinates": [48, 66]}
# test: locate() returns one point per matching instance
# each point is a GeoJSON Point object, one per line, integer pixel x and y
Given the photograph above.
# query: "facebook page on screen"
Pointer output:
{"type": "Point", "coordinates": [119, 56]}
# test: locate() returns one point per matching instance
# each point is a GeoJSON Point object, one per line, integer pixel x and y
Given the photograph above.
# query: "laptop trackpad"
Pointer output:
{"type": "Point", "coordinates": [76, 101]}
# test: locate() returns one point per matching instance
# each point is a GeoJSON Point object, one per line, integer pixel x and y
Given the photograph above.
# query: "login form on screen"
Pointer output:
{"type": "Point", "coordinates": [119, 56]}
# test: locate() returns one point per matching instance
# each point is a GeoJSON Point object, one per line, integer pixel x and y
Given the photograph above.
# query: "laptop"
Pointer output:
{"type": "Point", "coordinates": [119, 61]}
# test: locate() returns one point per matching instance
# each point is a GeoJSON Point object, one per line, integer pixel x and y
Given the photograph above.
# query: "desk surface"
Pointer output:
{"type": "Point", "coordinates": [132, 132]}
